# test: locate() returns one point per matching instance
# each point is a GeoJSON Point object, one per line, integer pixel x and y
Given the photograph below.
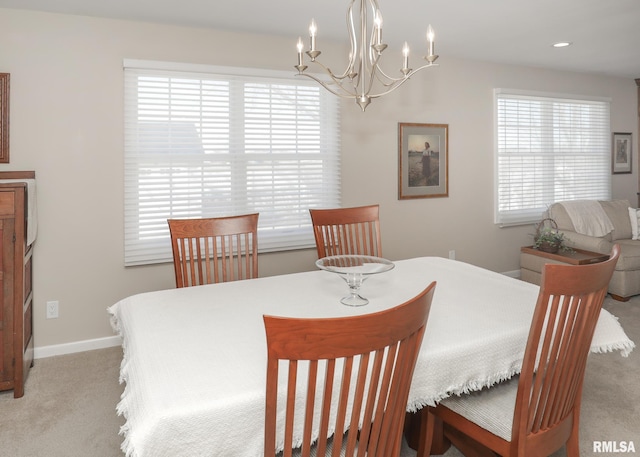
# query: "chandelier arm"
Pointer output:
{"type": "Point", "coordinates": [372, 73]}
{"type": "Point", "coordinates": [363, 38]}
{"type": "Point", "coordinates": [340, 81]}
{"type": "Point", "coordinates": [337, 78]}
{"type": "Point", "coordinates": [328, 87]}
{"type": "Point", "coordinates": [401, 81]}
{"type": "Point", "coordinates": [426, 65]}
{"type": "Point", "coordinates": [391, 89]}
{"type": "Point", "coordinates": [351, 28]}
{"type": "Point", "coordinates": [391, 80]}
{"type": "Point", "coordinates": [373, 55]}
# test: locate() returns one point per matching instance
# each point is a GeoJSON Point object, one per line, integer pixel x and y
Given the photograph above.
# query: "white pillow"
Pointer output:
{"type": "Point", "coordinates": [634, 215]}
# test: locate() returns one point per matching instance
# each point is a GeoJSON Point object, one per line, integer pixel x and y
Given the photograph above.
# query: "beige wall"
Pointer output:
{"type": "Point", "coordinates": [66, 124]}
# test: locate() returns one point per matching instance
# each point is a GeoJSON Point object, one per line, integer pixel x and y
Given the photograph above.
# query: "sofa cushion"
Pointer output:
{"type": "Point", "coordinates": [558, 213]}
{"type": "Point", "coordinates": [629, 255]}
{"type": "Point", "coordinates": [618, 212]}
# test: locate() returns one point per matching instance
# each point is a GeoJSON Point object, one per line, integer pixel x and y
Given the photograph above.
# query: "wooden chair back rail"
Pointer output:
{"type": "Point", "coordinates": [549, 389]}
{"type": "Point", "coordinates": [216, 259]}
{"type": "Point", "coordinates": [211, 250]}
{"type": "Point", "coordinates": [347, 231]}
{"type": "Point", "coordinates": [360, 366]}
{"type": "Point", "coordinates": [358, 238]}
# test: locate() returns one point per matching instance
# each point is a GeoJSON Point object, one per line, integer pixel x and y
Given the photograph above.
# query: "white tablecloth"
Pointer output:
{"type": "Point", "coordinates": [195, 358]}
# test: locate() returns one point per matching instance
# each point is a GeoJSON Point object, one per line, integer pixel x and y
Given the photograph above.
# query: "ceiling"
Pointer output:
{"type": "Point", "coordinates": [605, 34]}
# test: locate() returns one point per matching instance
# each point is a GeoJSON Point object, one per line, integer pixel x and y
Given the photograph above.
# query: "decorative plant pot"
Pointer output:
{"type": "Point", "coordinates": [547, 238]}
{"type": "Point", "coordinates": [552, 248]}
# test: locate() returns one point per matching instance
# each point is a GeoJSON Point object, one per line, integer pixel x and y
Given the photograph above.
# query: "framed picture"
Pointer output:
{"type": "Point", "coordinates": [4, 117]}
{"type": "Point", "coordinates": [423, 160]}
{"type": "Point", "coordinates": [621, 153]}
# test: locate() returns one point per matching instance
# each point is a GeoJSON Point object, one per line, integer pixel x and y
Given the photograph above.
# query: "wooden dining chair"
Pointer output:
{"type": "Point", "coordinates": [212, 250]}
{"type": "Point", "coordinates": [353, 230]}
{"type": "Point", "coordinates": [538, 412]}
{"type": "Point", "coordinates": [338, 374]}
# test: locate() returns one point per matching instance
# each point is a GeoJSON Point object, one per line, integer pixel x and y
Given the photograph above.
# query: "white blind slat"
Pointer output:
{"type": "Point", "coordinates": [201, 144]}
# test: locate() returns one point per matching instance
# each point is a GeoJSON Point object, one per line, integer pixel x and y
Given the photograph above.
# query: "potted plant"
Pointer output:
{"type": "Point", "coordinates": [547, 237]}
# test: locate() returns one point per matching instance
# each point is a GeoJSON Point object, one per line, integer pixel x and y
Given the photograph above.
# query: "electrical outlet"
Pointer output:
{"type": "Point", "coordinates": [52, 309]}
{"type": "Point", "coordinates": [452, 254]}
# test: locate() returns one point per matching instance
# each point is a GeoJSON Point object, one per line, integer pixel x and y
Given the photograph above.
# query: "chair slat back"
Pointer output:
{"type": "Point", "coordinates": [353, 231]}
{"type": "Point", "coordinates": [349, 373]}
{"type": "Point", "coordinates": [563, 324]}
{"type": "Point", "coordinates": [212, 250]}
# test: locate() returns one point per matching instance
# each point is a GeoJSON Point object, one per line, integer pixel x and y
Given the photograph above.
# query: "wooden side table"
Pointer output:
{"type": "Point", "coordinates": [532, 260]}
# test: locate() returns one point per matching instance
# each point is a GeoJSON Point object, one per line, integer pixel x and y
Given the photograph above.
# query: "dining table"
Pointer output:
{"type": "Point", "coordinates": [194, 358]}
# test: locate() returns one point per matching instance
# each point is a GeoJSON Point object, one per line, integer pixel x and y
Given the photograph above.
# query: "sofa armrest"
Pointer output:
{"type": "Point", "coordinates": [586, 242]}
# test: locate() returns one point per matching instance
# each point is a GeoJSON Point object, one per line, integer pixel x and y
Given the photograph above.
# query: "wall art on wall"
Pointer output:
{"type": "Point", "coordinates": [4, 117]}
{"type": "Point", "coordinates": [621, 153]}
{"type": "Point", "coordinates": [423, 160]}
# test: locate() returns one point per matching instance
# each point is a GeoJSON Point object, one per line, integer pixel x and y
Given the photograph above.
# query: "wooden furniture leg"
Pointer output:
{"type": "Point", "coordinates": [619, 298]}
{"type": "Point", "coordinates": [417, 432]}
{"type": "Point", "coordinates": [467, 446]}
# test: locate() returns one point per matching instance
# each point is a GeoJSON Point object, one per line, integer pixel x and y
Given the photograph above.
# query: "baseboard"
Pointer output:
{"type": "Point", "coordinates": [512, 273]}
{"type": "Point", "coordinates": [77, 346]}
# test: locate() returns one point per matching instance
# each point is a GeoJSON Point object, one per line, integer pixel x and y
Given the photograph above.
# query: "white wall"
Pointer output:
{"type": "Point", "coordinates": [66, 124]}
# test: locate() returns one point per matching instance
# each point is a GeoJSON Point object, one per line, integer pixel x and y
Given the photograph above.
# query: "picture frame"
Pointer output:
{"type": "Point", "coordinates": [4, 117]}
{"type": "Point", "coordinates": [621, 153]}
{"type": "Point", "coordinates": [423, 160]}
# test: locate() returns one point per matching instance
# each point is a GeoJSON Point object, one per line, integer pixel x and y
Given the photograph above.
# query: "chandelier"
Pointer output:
{"type": "Point", "coordinates": [363, 79]}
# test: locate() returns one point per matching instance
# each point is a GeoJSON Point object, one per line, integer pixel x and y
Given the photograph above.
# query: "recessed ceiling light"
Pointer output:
{"type": "Point", "coordinates": [562, 44]}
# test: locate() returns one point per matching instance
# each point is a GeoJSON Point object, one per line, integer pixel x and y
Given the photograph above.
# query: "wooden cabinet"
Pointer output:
{"type": "Point", "coordinates": [16, 294]}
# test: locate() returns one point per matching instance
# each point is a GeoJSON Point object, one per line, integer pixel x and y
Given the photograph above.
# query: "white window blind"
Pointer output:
{"type": "Point", "coordinates": [548, 149]}
{"type": "Point", "coordinates": [205, 142]}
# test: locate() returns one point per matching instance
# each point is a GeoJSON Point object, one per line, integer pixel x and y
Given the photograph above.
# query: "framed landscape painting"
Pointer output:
{"type": "Point", "coordinates": [4, 117]}
{"type": "Point", "coordinates": [423, 160]}
{"type": "Point", "coordinates": [621, 153]}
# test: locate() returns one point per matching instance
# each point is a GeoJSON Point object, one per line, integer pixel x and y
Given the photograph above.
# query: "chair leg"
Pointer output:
{"type": "Point", "coordinates": [412, 429]}
{"type": "Point", "coordinates": [573, 448]}
{"type": "Point", "coordinates": [466, 445]}
{"type": "Point", "coordinates": [425, 435]}
{"type": "Point", "coordinates": [573, 443]}
{"type": "Point", "coordinates": [431, 438]}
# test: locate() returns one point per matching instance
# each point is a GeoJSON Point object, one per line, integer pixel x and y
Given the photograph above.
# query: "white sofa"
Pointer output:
{"type": "Point", "coordinates": [626, 277]}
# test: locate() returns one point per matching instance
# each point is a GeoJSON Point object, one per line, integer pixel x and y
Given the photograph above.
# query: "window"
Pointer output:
{"type": "Point", "coordinates": [209, 142]}
{"type": "Point", "coordinates": [548, 148]}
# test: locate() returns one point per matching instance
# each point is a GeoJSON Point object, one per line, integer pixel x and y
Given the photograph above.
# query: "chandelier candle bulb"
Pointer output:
{"type": "Point", "coordinates": [300, 46]}
{"type": "Point", "coordinates": [378, 25]}
{"type": "Point", "coordinates": [313, 29]}
{"type": "Point", "coordinates": [431, 40]}
{"type": "Point", "coordinates": [405, 54]}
